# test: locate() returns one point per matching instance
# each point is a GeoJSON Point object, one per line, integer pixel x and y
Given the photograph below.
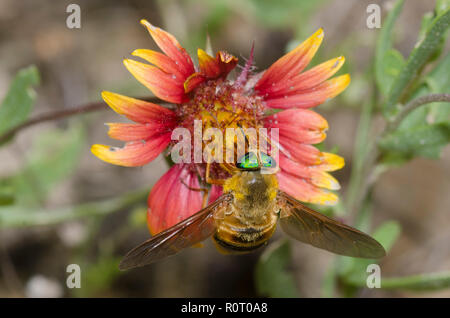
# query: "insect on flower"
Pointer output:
{"type": "Point", "coordinates": [244, 201]}
{"type": "Point", "coordinates": [245, 217]}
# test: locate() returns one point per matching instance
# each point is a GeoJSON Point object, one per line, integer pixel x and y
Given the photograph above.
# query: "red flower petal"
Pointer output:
{"type": "Point", "coordinates": [169, 45]}
{"type": "Point", "coordinates": [311, 97]}
{"type": "Point", "coordinates": [140, 111]}
{"type": "Point", "coordinates": [310, 155]}
{"type": "Point", "coordinates": [227, 62]}
{"type": "Point", "coordinates": [193, 81]}
{"type": "Point", "coordinates": [214, 67]}
{"type": "Point", "coordinates": [312, 174]}
{"type": "Point", "coordinates": [132, 132]}
{"type": "Point", "coordinates": [165, 86]}
{"type": "Point", "coordinates": [306, 154]}
{"type": "Point", "coordinates": [290, 64]}
{"type": "Point", "coordinates": [307, 79]}
{"type": "Point", "coordinates": [208, 64]}
{"type": "Point", "coordinates": [300, 125]}
{"type": "Point", "coordinates": [171, 200]}
{"type": "Point", "coordinates": [304, 191]}
{"type": "Point", "coordinates": [162, 61]}
{"type": "Point", "coordinates": [136, 153]}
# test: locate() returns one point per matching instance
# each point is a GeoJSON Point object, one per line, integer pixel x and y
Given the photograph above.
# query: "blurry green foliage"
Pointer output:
{"type": "Point", "coordinates": [353, 270]}
{"type": "Point", "coordinates": [422, 140]}
{"type": "Point", "coordinates": [421, 282]}
{"type": "Point", "coordinates": [388, 61]}
{"type": "Point", "coordinates": [17, 104]}
{"type": "Point", "coordinates": [98, 276]}
{"type": "Point", "coordinates": [437, 81]}
{"type": "Point", "coordinates": [22, 216]}
{"type": "Point", "coordinates": [283, 13]}
{"type": "Point", "coordinates": [53, 157]}
{"type": "Point", "coordinates": [271, 277]}
{"type": "Point", "coordinates": [420, 55]}
{"type": "Point", "coordinates": [291, 14]}
{"type": "Point", "coordinates": [426, 130]}
{"type": "Point", "coordinates": [6, 192]}
{"type": "Point", "coordinates": [138, 217]}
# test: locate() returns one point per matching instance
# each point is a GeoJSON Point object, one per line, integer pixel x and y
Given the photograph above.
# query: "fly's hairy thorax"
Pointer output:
{"type": "Point", "coordinates": [251, 218]}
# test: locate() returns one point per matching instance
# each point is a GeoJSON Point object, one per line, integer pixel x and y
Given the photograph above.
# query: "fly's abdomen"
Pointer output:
{"type": "Point", "coordinates": [235, 238]}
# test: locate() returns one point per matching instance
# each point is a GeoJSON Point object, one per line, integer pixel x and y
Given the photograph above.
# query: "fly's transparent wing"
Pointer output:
{"type": "Point", "coordinates": [188, 232]}
{"type": "Point", "coordinates": [311, 227]}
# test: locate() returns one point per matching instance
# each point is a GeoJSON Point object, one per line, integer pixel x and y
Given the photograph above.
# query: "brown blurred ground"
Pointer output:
{"type": "Point", "coordinates": [76, 65]}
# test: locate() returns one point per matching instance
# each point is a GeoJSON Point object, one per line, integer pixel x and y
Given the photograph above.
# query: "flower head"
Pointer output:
{"type": "Point", "coordinates": [208, 94]}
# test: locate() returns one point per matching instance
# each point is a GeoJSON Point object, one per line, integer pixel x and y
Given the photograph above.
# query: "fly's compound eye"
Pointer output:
{"type": "Point", "coordinates": [249, 161]}
{"type": "Point", "coordinates": [267, 161]}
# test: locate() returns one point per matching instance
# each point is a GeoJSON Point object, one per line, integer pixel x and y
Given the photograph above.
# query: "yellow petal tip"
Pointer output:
{"type": "Point", "coordinates": [147, 24]}
{"type": "Point", "coordinates": [98, 150]}
{"type": "Point", "coordinates": [320, 33]}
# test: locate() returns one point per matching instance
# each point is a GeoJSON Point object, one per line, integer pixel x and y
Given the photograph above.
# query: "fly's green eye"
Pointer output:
{"type": "Point", "coordinates": [248, 161]}
{"type": "Point", "coordinates": [267, 161]}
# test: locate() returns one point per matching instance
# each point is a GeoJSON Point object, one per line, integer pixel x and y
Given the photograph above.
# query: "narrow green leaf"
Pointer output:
{"type": "Point", "coordinates": [19, 100]}
{"type": "Point", "coordinates": [271, 277]}
{"type": "Point", "coordinates": [383, 59]}
{"type": "Point", "coordinates": [417, 59]}
{"type": "Point", "coordinates": [421, 282]}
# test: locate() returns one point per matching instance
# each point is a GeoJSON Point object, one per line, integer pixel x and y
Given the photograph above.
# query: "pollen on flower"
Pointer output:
{"type": "Point", "coordinates": [221, 104]}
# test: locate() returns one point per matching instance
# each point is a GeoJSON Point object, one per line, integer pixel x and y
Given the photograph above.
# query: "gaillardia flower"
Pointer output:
{"type": "Point", "coordinates": [206, 93]}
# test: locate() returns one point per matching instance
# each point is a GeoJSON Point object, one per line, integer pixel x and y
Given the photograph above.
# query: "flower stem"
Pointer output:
{"type": "Point", "coordinates": [372, 170]}
{"type": "Point", "coordinates": [58, 114]}
{"type": "Point", "coordinates": [414, 104]}
{"type": "Point", "coordinates": [420, 282]}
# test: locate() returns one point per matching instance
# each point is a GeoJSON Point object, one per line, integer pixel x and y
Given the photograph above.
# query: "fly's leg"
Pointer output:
{"type": "Point", "coordinates": [211, 180]}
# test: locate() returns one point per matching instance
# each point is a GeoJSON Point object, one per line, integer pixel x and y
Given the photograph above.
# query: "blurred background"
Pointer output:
{"type": "Point", "coordinates": [53, 178]}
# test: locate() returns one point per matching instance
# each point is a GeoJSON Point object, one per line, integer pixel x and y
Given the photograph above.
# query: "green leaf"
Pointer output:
{"type": "Point", "coordinates": [421, 282]}
{"type": "Point", "coordinates": [387, 234]}
{"type": "Point", "coordinates": [390, 68]}
{"type": "Point", "coordinates": [6, 192]}
{"type": "Point", "coordinates": [329, 282]}
{"type": "Point", "coordinates": [442, 6]}
{"type": "Point", "coordinates": [427, 19]}
{"type": "Point", "coordinates": [19, 100]}
{"type": "Point", "coordinates": [98, 276]}
{"type": "Point", "coordinates": [419, 56]}
{"type": "Point", "coordinates": [385, 56]}
{"type": "Point", "coordinates": [425, 140]}
{"type": "Point", "coordinates": [437, 81]}
{"type": "Point", "coordinates": [271, 277]}
{"type": "Point", "coordinates": [52, 158]}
